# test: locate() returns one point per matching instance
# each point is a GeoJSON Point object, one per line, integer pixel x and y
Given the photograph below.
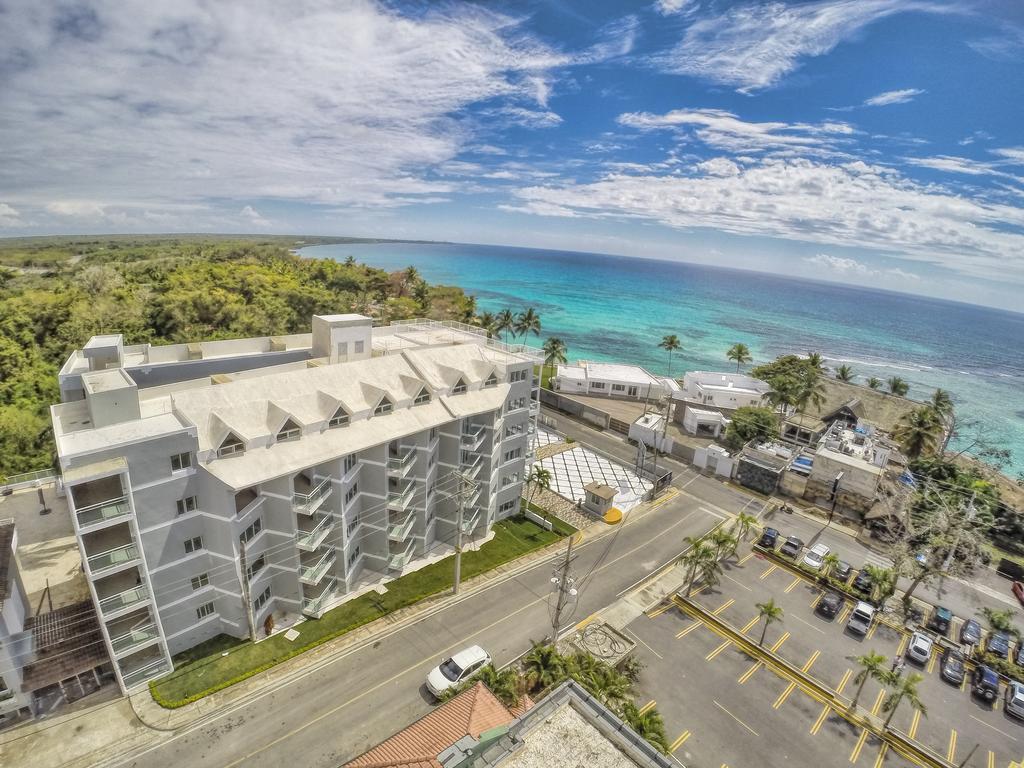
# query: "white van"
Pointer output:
{"type": "Point", "coordinates": [861, 618]}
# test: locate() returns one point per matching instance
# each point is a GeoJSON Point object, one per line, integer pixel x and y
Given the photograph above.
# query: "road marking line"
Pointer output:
{"type": "Point", "coordinates": [680, 741]}
{"type": "Point", "coordinates": [931, 662]}
{"type": "Point", "coordinates": [737, 583]}
{"type": "Point", "coordinates": [859, 745]}
{"type": "Point", "coordinates": [749, 673]}
{"type": "Point", "coordinates": [768, 571]}
{"type": "Point", "coordinates": [878, 702]}
{"type": "Point", "coordinates": [881, 756]}
{"type": "Point", "coordinates": [845, 612]}
{"type": "Point", "coordinates": [871, 631]}
{"type": "Point", "coordinates": [810, 661]}
{"type": "Point", "coordinates": [912, 731]}
{"type": "Point", "coordinates": [779, 642]}
{"type": "Point", "coordinates": [718, 650]}
{"type": "Point", "coordinates": [821, 719]}
{"type": "Point", "coordinates": [819, 630]}
{"type": "Point", "coordinates": [1004, 733]}
{"type": "Point", "coordinates": [817, 599]}
{"type": "Point", "coordinates": [745, 558]}
{"type": "Point", "coordinates": [649, 705]}
{"type": "Point", "coordinates": [793, 584]}
{"type": "Point", "coordinates": [749, 624]}
{"type": "Point", "coordinates": [722, 607]}
{"type": "Point", "coordinates": [645, 645]}
{"type": "Point", "coordinates": [659, 610]}
{"type": "Point", "coordinates": [963, 683]}
{"type": "Point", "coordinates": [730, 714]}
{"type": "Point", "coordinates": [991, 759]}
{"type": "Point", "coordinates": [846, 678]}
{"type": "Point", "coordinates": [783, 696]}
{"type": "Point", "coordinates": [951, 752]}
{"type": "Point", "coordinates": [689, 629]}
{"type": "Point", "coordinates": [903, 645]}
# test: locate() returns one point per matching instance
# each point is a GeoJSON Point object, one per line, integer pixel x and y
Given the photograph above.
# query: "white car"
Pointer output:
{"type": "Point", "coordinates": [815, 556]}
{"type": "Point", "coordinates": [459, 668]}
{"type": "Point", "coordinates": [919, 648]}
{"type": "Point", "coordinates": [1015, 699]}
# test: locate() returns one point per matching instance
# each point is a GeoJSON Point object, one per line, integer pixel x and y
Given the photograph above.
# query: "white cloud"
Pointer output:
{"type": "Point", "coordinates": [252, 216]}
{"type": "Point", "coordinates": [893, 97]}
{"type": "Point", "coordinates": [9, 217]}
{"type": "Point", "coordinates": [1013, 155]}
{"type": "Point", "coordinates": [963, 165]}
{"type": "Point", "coordinates": [753, 46]}
{"type": "Point", "coordinates": [668, 7]}
{"type": "Point", "coordinates": [840, 264]}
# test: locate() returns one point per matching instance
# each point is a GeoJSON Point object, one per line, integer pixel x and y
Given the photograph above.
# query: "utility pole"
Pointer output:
{"type": "Point", "coordinates": [246, 601]}
{"type": "Point", "coordinates": [563, 582]}
{"type": "Point", "coordinates": [467, 487]}
{"type": "Point", "coordinates": [664, 432]}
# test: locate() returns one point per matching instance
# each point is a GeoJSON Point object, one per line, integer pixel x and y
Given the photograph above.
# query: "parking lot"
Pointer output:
{"type": "Point", "coordinates": [722, 708]}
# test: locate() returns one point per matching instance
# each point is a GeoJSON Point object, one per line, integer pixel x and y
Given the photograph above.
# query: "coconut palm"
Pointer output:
{"type": "Point", "coordinates": [711, 571]}
{"type": "Point", "coordinates": [844, 373]}
{"type": "Point", "coordinates": [743, 524]}
{"type": "Point", "coordinates": [872, 667]}
{"type": "Point", "coordinates": [941, 403]}
{"type": "Point", "coordinates": [919, 431]}
{"type": "Point", "coordinates": [648, 725]}
{"type": "Point", "coordinates": [816, 361]}
{"type": "Point", "coordinates": [698, 553]}
{"type": "Point", "coordinates": [784, 392]}
{"type": "Point", "coordinates": [505, 684]}
{"type": "Point", "coordinates": [554, 352]}
{"type": "Point", "coordinates": [810, 392]}
{"type": "Point", "coordinates": [543, 667]}
{"type": "Point", "coordinates": [538, 479]}
{"type": "Point", "coordinates": [671, 344]}
{"type": "Point", "coordinates": [883, 583]}
{"type": "Point", "coordinates": [828, 565]}
{"type": "Point", "coordinates": [769, 613]}
{"type": "Point", "coordinates": [740, 354]}
{"type": "Point", "coordinates": [527, 322]}
{"type": "Point", "coordinates": [874, 383]}
{"type": "Point", "coordinates": [898, 386]}
{"type": "Point", "coordinates": [601, 680]}
{"type": "Point", "coordinates": [903, 688]}
{"type": "Point", "coordinates": [722, 541]}
{"type": "Point", "coordinates": [487, 321]}
{"type": "Point", "coordinates": [469, 309]}
{"type": "Point", "coordinates": [504, 322]}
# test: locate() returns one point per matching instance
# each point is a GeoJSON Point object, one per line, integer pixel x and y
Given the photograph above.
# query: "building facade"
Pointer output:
{"type": "Point", "coordinates": [228, 487]}
{"type": "Point", "coordinates": [626, 382]}
{"type": "Point", "coordinates": [15, 645]}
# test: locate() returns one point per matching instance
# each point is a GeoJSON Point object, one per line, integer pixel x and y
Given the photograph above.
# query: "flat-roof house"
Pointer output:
{"type": "Point", "coordinates": [611, 380]}
{"type": "Point", "coordinates": [707, 398]}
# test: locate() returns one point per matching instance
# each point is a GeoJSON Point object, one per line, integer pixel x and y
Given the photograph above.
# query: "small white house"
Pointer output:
{"type": "Point", "coordinates": [649, 429]}
{"type": "Point", "coordinates": [724, 391]}
{"type": "Point", "coordinates": [612, 380]}
{"type": "Point", "coordinates": [704, 423]}
{"type": "Point", "coordinates": [599, 498]}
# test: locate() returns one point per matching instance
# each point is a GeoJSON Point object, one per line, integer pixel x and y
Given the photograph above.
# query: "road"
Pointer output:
{"type": "Point", "coordinates": [342, 709]}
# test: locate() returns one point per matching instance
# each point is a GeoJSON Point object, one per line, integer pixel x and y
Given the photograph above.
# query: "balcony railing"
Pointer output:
{"type": "Point", "coordinates": [398, 561]}
{"type": "Point", "coordinates": [113, 558]}
{"type": "Point", "coordinates": [399, 499]}
{"type": "Point", "coordinates": [111, 509]}
{"type": "Point", "coordinates": [134, 638]}
{"type": "Point", "coordinates": [469, 522]}
{"type": "Point", "coordinates": [313, 538]}
{"type": "Point", "coordinates": [143, 673]}
{"type": "Point", "coordinates": [472, 468]}
{"type": "Point", "coordinates": [399, 530]}
{"type": "Point", "coordinates": [126, 599]}
{"type": "Point", "coordinates": [534, 408]}
{"type": "Point", "coordinates": [311, 574]}
{"type": "Point", "coordinates": [314, 606]}
{"type": "Point", "coordinates": [308, 503]}
{"type": "Point", "coordinates": [399, 466]}
{"type": "Point", "coordinates": [472, 437]}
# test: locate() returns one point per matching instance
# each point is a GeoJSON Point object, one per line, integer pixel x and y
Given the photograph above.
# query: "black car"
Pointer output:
{"type": "Point", "coordinates": [792, 546]}
{"type": "Point", "coordinates": [970, 632]}
{"type": "Point", "coordinates": [953, 669]}
{"type": "Point", "coordinates": [862, 584]}
{"type": "Point", "coordinates": [985, 683]}
{"type": "Point", "coordinates": [768, 538]}
{"type": "Point", "coordinates": [998, 644]}
{"type": "Point", "coordinates": [1019, 658]}
{"type": "Point", "coordinates": [829, 604]}
{"type": "Point", "coordinates": [940, 619]}
{"type": "Point", "coordinates": [842, 571]}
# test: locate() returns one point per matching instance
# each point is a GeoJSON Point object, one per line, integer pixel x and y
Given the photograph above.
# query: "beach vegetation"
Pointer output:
{"type": "Point", "coordinates": [897, 386]}
{"type": "Point", "coordinates": [751, 422]}
{"type": "Point", "coordinates": [739, 353]}
{"type": "Point", "coordinates": [504, 322]}
{"type": "Point", "coordinates": [874, 383]}
{"type": "Point", "coordinates": [670, 344]}
{"type": "Point", "coordinates": [527, 322]}
{"type": "Point", "coordinates": [844, 373]}
{"type": "Point", "coordinates": [919, 432]}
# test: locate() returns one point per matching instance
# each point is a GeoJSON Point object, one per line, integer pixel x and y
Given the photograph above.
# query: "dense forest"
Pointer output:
{"type": "Point", "coordinates": [57, 292]}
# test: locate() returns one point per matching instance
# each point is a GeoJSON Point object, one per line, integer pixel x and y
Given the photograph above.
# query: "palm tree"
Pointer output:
{"type": "Point", "coordinates": [350, 261]}
{"type": "Point", "coordinates": [504, 322]}
{"type": "Point", "coordinates": [601, 680]}
{"type": "Point", "coordinates": [743, 525]}
{"type": "Point", "coordinates": [647, 725]}
{"type": "Point", "coordinates": [844, 373]}
{"type": "Point", "coordinates": [903, 688]}
{"type": "Point", "coordinates": [527, 322]}
{"type": "Point", "coordinates": [898, 386]}
{"type": "Point", "coordinates": [505, 684]}
{"type": "Point", "coordinates": [872, 667]}
{"type": "Point", "coordinates": [469, 309]}
{"type": "Point", "coordinates": [883, 583]}
{"type": "Point", "coordinates": [828, 565]}
{"type": "Point", "coordinates": [941, 403]}
{"type": "Point", "coordinates": [710, 571]}
{"type": "Point", "coordinates": [487, 321]}
{"type": "Point", "coordinates": [670, 343]}
{"type": "Point", "coordinates": [554, 352]}
{"type": "Point", "coordinates": [874, 383]}
{"type": "Point", "coordinates": [740, 353]}
{"type": "Point", "coordinates": [696, 556]}
{"type": "Point", "coordinates": [543, 667]}
{"type": "Point", "coordinates": [815, 360]}
{"type": "Point", "coordinates": [538, 479]}
{"type": "Point", "coordinates": [784, 393]}
{"type": "Point", "coordinates": [770, 613]}
{"type": "Point", "coordinates": [722, 541]}
{"type": "Point", "coordinates": [811, 392]}
{"type": "Point", "coordinates": [919, 431]}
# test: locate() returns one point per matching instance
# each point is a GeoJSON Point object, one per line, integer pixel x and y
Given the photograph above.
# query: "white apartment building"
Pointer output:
{"type": "Point", "coordinates": [611, 380]}
{"type": "Point", "coordinates": [215, 485]}
{"type": "Point", "coordinates": [725, 391]}
{"type": "Point", "coordinates": [15, 645]}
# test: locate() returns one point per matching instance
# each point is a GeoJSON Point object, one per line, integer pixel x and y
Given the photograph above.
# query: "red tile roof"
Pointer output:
{"type": "Point", "coordinates": [471, 713]}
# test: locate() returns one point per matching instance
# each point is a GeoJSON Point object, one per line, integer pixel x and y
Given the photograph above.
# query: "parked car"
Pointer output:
{"type": "Point", "coordinates": [830, 604]}
{"type": "Point", "coordinates": [842, 571]}
{"type": "Point", "coordinates": [1015, 699]}
{"type": "Point", "coordinates": [457, 669]}
{"type": "Point", "coordinates": [769, 537]}
{"type": "Point", "coordinates": [862, 584]}
{"type": "Point", "coordinates": [970, 632]}
{"type": "Point", "coordinates": [1018, 591]}
{"type": "Point", "coordinates": [940, 620]}
{"type": "Point", "coordinates": [919, 648]}
{"type": "Point", "coordinates": [792, 546]}
{"type": "Point", "coordinates": [985, 683]}
{"type": "Point", "coordinates": [860, 618]}
{"type": "Point", "coordinates": [953, 669]}
{"type": "Point", "coordinates": [998, 644]}
{"type": "Point", "coordinates": [1019, 658]}
{"type": "Point", "coordinates": [816, 555]}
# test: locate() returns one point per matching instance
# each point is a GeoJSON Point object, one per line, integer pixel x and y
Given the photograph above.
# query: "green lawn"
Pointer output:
{"type": "Point", "coordinates": [202, 670]}
{"type": "Point", "coordinates": [546, 372]}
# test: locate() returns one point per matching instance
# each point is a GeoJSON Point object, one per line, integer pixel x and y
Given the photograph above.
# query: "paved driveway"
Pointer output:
{"type": "Point", "coordinates": [572, 470]}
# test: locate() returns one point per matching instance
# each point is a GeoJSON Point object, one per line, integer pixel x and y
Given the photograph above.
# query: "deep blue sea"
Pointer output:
{"type": "Point", "coordinates": [617, 309]}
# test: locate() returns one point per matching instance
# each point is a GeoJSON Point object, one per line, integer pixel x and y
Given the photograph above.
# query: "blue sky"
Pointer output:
{"type": "Point", "coordinates": [876, 142]}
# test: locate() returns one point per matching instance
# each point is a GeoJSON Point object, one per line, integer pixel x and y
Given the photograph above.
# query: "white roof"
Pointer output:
{"type": "Point", "coordinates": [632, 374]}
{"type": "Point", "coordinates": [730, 381]}
{"type": "Point", "coordinates": [572, 372]}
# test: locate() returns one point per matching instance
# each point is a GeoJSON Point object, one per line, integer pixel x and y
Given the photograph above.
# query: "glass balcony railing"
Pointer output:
{"type": "Point", "coordinates": [534, 408]}
{"type": "Point", "coordinates": [311, 574]}
{"type": "Point", "coordinates": [472, 437]}
{"type": "Point", "coordinates": [401, 464]}
{"type": "Point", "coordinates": [126, 599]}
{"type": "Point", "coordinates": [135, 638]}
{"type": "Point", "coordinates": [310, 540]}
{"type": "Point", "coordinates": [469, 522]}
{"type": "Point", "coordinates": [308, 503]}
{"type": "Point", "coordinates": [399, 530]}
{"type": "Point", "coordinates": [399, 499]}
{"type": "Point", "coordinates": [315, 606]}
{"type": "Point", "coordinates": [472, 468]}
{"type": "Point", "coordinates": [112, 509]}
{"type": "Point", "coordinates": [113, 558]}
{"type": "Point", "coordinates": [398, 561]}
{"type": "Point", "coordinates": [143, 673]}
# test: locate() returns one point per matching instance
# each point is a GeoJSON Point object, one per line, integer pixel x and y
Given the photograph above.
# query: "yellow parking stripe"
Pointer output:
{"type": "Point", "coordinates": [845, 612]}
{"type": "Point", "coordinates": [810, 661]}
{"type": "Point", "coordinates": [991, 759]}
{"type": "Point", "coordinates": [750, 672]}
{"type": "Point", "coordinates": [718, 650]}
{"type": "Point", "coordinates": [749, 624]}
{"type": "Point", "coordinates": [871, 631]}
{"type": "Point", "coordinates": [878, 702]}
{"type": "Point", "coordinates": [903, 645]}
{"type": "Point", "coordinates": [649, 705]}
{"type": "Point", "coordinates": [722, 607]}
{"type": "Point", "coordinates": [696, 624]}
{"type": "Point", "coordinates": [789, 689]}
{"type": "Point", "coordinates": [846, 678]}
{"type": "Point", "coordinates": [821, 719]}
{"type": "Point", "coordinates": [859, 745]}
{"type": "Point", "coordinates": [881, 756]}
{"type": "Point", "coordinates": [660, 610]}
{"type": "Point", "coordinates": [779, 642]}
{"type": "Point", "coordinates": [768, 571]}
{"type": "Point", "coordinates": [951, 752]}
{"type": "Point", "coordinates": [816, 599]}
{"type": "Point", "coordinates": [744, 559]}
{"type": "Point", "coordinates": [931, 662]}
{"type": "Point", "coordinates": [793, 584]}
{"type": "Point", "coordinates": [679, 742]}
{"type": "Point", "coordinates": [912, 731]}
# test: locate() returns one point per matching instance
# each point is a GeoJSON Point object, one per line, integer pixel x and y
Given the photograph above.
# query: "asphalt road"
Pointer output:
{"type": "Point", "coordinates": [361, 698]}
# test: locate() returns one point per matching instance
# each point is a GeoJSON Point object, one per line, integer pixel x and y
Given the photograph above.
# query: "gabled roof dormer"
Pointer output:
{"type": "Point", "coordinates": [422, 398]}
{"type": "Point", "coordinates": [341, 418]}
{"type": "Point", "coordinates": [384, 406]}
{"type": "Point", "coordinates": [232, 445]}
{"type": "Point", "coordinates": [288, 431]}
{"type": "Point", "coordinates": [460, 387]}
{"type": "Point", "coordinates": [492, 379]}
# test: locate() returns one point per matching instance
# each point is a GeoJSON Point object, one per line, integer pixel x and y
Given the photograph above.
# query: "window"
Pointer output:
{"type": "Point", "coordinates": [200, 581]}
{"type": "Point", "coordinates": [515, 405]}
{"type": "Point", "coordinates": [250, 533]}
{"type": "Point", "coordinates": [359, 347]}
{"type": "Point", "coordinates": [618, 388]}
{"type": "Point", "coordinates": [459, 388]}
{"type": "Point", "coordinates": [433, 434]}
{"type": "Point", "coordinates": [597, 385]}
{"type": "Point", "coordinates": [385, 406]}
{"type": "Point", "coordinates": [339, 419]}
{"type": "Point", "coordinates": [232, 446]}
{"type": "Point", "coordinates": [514, 429]}
{"type": "Point", "coordinates": [350, 462]}
{"type": "Point", "coordinates": [353, 555]}
{"type": "Point", "coordinates": [508, 480]}
{"type": "Point", "coordinates": [193, 545]}
{"type": "Point", "coordinates": [290, 431]}
{"type": "Point", "coordinates": [517, 376]}
{"type": "Point", "coordinates": [515, 453]}
{"type": "Point", "coordinates": [255, 567]}
{"type": "Point", "coordinates": [507, 506]}
{"type": "Point", "coordinates": [261, 600]}
{"type": "Point", "coordinates": [352, 492]}
{"type": "Point", "coordinates": [352, 525]}
{"type": "Point", "coordinates": [181, 461]}
{"type": "Point", "coordinates": [422, 398]}
{"type": "Point", "coordinates": [431, 460]}
{"type": "Point", "coordinates": [204, 610]}
{"type": "Point", "coordinates": [492, 381]}
{"type": "Point", "coordinates": [188, 504]}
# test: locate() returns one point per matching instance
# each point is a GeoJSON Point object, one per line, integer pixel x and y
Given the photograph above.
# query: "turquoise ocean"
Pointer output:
{"type": "Point", "coordinates": [614, 308]}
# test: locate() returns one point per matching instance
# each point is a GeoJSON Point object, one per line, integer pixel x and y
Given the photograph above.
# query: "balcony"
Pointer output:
{"type": "Point", "coordinates": [306, 502]}
{"type": "Point", "coordinates": [472, 437]}
{"type": "Point", "coordinates": [134, 639]}
{"type": "Point", "coordinates": [117, 602]}
{"type": "Point", "coordinates": [103, 512]}
{"type": "Point", "coordinates": [135, 672]}
{"type": "Point", "coordinates": [113, 559]}
{"type": "Point", "coordinates": [471, 469]}
{"type": "Point", "coordinates": [247, 501]}
{"type": "Point", "coordinates": [399, 529]}
{"type": "Point", "coordinates": [470, 521]}
{"type": "Point", "coordinates": [315, 606]}
{"type": "Point", "coordinates": [399, 464]}
{"type": "Point", "coordinates": [312, 574]}
{"type": "Point", "coordinates": [308, 540]}
{"type": "Point", "coordinates": [398, 561]}
{"type": "Point", "coordinates": [400, 498]}
{"type": "Point", "coordinates": [534, 408]}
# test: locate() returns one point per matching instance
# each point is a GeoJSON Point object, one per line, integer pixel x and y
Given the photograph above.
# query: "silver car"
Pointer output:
{"type": "Point", "coordinates": [1015, 699]}
{"type": "Point", "coordinates": [919, 648]}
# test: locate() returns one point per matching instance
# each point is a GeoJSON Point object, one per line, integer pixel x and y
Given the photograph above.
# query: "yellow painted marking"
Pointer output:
{"type": "Point", "coordinates": [744, 559]}
{"type": "Point", "coordinates": [903, 645]}
{"type": "Point", "coordinates": [846, 678]}
{"type": "Point", "coordinates": [810, 661]}
{"type": "Point", "coordinates": [649, 705]}
{"type": "Point", "coordinates": [931, 662]}
{"type": "Point", "coordinates": [871, 632]}
{"type": "Point", "coordinates": [845, 612]}
{"type": "Point", "coordinates": [963, 683]}
{"type": "Point", "coordinates": [779, 642]}
{"type": "Point", "coordinates": [792, 686]}
{"type": "Point", "coordinates": [680, 741]}
{"type": "Point", "coordinates": [816, 599]}
{"type": "Point", "coordinates": [878, 702]}
{"type": "Point", "coordinates": [689, 629]}
{"type": "Point", "coordinates": [718, 650]}
{"type": "Point", "coordinates": [792, 585]}
{"type": "Point", "coordinates": [749, 624]}
{"type": "Point", "coordinates": [881, 756]}
{"type": "Point", "coordinates": [821, 719]}
{"type": "Point", "coordinates": [912, 731]}
{"type": "Point", "coordinates": [659, 610]}
{"type": "Point", "coordinates": [991, 759]}
{"type": "Point", "coordinates": [768, 571]}
{"type": "Point", "coordinates": [722, 607]}
{"type": "Point", "coordinates": [951, 752]}
{"type": "Point", "coordinates": [750, 672]}
{"type": "Point", "coordinates": [859, 746]}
